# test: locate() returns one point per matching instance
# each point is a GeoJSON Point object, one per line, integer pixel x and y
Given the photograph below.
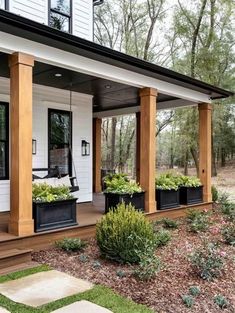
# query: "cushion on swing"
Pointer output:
{"type": "Point", "coordinates": [64, 181]}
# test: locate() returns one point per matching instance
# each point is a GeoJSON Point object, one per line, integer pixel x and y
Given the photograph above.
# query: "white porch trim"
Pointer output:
{"type": "Point", "coordinates": [57, 57]}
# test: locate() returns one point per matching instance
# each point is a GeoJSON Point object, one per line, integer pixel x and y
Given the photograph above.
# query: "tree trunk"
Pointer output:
{"type": "Point", "coordinates": [186, 163]}
{"type": "Point", "coordinates": [195, 158]}
{"type": "Point", "coordinates": [223, 157]}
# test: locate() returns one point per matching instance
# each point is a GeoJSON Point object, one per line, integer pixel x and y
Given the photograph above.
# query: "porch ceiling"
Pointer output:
{"type": "Point", "coordinates": [108, 95]}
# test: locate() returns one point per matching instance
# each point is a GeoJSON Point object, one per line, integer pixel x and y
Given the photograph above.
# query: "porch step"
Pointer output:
{"type": "Point", "coordinates": [14, 257]}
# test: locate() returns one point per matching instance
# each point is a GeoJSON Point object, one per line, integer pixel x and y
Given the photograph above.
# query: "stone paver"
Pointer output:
{"type": "Point", "coordinates": [82, 307]}
{"type": "Point", "coordinates": [2, 310]}
{"type": "Point", "coordinates": [43, 287]}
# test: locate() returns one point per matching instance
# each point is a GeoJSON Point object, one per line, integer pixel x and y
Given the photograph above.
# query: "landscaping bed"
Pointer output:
{"type": "Point", "coordinates": [164, 292]}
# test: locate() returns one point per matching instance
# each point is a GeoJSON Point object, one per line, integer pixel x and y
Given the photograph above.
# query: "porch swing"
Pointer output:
{"type": "Point", "coordinates": [55, 171]}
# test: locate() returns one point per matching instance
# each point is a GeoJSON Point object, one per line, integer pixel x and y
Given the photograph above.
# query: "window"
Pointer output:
{"type": "Point", "coordinates": [4, 141]}
{"type": "Point", "coordinates": [2, 4]}
{"type": "Point", "coordinates": [59, 141]}
{"type": "Point", "coordinates": [60, 15]}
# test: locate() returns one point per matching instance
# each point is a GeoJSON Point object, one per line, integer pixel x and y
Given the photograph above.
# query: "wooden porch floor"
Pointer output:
{"type": "Point", "coordinates": [88, 214]}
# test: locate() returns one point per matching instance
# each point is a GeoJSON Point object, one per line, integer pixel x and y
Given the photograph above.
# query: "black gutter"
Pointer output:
{"type": "Point", "coordinates": [70, 42]}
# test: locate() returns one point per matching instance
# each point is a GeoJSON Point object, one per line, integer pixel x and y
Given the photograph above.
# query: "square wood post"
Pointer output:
{"type": "Point", "coordinates": [148, 98]}
{"type": "Point", "coordinates": [137, 160]}
{"type": "Point", "coordinates": [97, 155]}
{"type": "Point", "coordinates": [205, 110]}
{"type": "Point", "coordinates": [21, 94]}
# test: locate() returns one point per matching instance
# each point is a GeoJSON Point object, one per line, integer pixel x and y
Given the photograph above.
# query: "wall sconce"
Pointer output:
{"type": "Point", "coordinates": [85, 148]}
{"type": "Point", "coordinates": [34, 146]}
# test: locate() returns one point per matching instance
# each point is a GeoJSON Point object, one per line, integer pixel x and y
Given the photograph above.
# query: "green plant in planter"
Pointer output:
{"type": "Point", "coordinates": [108, 178]}
{"type": "Point", "coordinates": [188, 181]}
{"type": "Point", "coordinates": [121, 185]}
{"type": "Point", "coordinates": [166, 182]}
{"type": "Point", "coordinates": [47, 193]}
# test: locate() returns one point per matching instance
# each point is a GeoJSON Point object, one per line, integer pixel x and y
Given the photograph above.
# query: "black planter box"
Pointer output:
{"type": "Point", "coordinates": [135, 199]}
{"type": "Point", "coordinates": [167, 199]}
{"type": "Point", "coordinates": [191, 195]}
{"type": "Point", "coordinates": [53, 215]}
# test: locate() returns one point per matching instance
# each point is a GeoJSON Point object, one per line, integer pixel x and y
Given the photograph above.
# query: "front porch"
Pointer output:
{"type": "Point", "coordinates": [87, 216]}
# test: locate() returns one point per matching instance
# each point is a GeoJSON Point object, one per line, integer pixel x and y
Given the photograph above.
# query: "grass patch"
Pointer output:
{"type": "Point", "coordinates": [100, 295]}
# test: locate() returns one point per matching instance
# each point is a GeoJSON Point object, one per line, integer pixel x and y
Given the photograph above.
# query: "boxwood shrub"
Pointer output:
{"type": "Point", "coordinates": [122, 235]}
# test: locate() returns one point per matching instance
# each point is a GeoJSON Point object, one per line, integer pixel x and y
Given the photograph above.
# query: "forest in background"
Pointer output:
{"type": "Point", "coordinates": [194, 37]}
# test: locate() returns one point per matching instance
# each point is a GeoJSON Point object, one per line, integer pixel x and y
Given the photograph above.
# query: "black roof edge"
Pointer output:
{"type": "Point", "coordinates": [49, 32]}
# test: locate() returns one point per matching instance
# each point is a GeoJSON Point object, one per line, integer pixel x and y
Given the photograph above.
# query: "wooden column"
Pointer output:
{"type": "Point", "coordinates": [21, 222]}
{"type": "Point", "coordinates": [137, 147]}
{"type": "Point", "coordinates": [148, 146]}
{"type": "Point", "coordinates": [97, 155]}
{"type": "Point", "coordinates": [205, 149]}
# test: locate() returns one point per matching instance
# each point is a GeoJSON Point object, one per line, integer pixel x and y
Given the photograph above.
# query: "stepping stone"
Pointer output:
{"type": "Point", "coordinates": [82, 306]}
{"type": "Point", "coordinates": [42, 288]}
{"type": "Point", "coordinates": [2, 310]}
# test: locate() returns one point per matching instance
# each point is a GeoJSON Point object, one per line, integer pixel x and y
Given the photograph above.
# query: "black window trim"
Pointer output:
{"type": "Point", "coordinates": [6, 141]}
{"type": "Point", "coordinates": [50, 110]}
{"type": "Point", "coordinates": [69, 16]}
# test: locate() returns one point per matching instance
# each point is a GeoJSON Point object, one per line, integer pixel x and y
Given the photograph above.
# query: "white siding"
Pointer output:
{"type": "Point", "coordinates": [36, 10]}
{"type": "Point", "coordinates": [83, 19]}
{"type": "Point", "coordinates": [43, 99]}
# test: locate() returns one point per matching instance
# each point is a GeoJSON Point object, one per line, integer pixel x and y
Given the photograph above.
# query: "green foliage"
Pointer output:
{"type": "Point", "coordinates": [208, 261]}
{"type": "Point", "coordinates": [166, 182]}
{"type": "Point", "coordinates": [188, 181]}
{"type": "Point", "coordinates": [46, 193]}
{"type": "Point", "coordinates": [228, 233]}
{"type": "Point", "coordinates": [168, 223]}
{"type": "Point", "coordinates": [149, 264]}
{"type": "Point", "coordinates": [223, 197]}
{"type": "Point", "coordinates": [194, 291]}
{"type": "Point", "coordinates": [83, 258]}
{"type": "Point", "coordinates": [120, 273]}
{"type": "Point", "coordinates": [221, 301]}
{"type": "Point", "coordinates": [120, 184]}
{"type": "Point", "coordinates": [108, 178]}
{"type": "Point", "coordinates": [228, 209]}
{"type": "Point", "coordinates": [188, 300]}
{"type": "Point", "coordinates": [71, 244]}
{"type": "Point", "coordinates": [215, 193]}
{"type": "Point", "coordinates": [96, 265]}
{"type": "Point", "coordinates": [122, 234]}
{"type": "Point", "coordinates": [162, 237]}
{"type": "Point", "coordinates": [198, 221]}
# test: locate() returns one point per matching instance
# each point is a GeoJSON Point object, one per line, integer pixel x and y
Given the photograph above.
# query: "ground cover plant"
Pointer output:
{"type": "Point", "coordinates": [162, 287]}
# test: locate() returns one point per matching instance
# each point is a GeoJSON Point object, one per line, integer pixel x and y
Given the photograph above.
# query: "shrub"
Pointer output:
{"type": "Point", "coordinates": [83, 258]}
{"type": "Point", "coordinates": [188, 301]}
{"type": "Point", "coordinates": [108, 178]}
{"type": "Point", "coordinates": [215, 193]}
{"type": "Point", "coordinates": [223, 197]}
{"type": "Point", "coordinates": [148, 266]}
{"type": "Point", "coordinates": [168, 223]}
{"type": "Point", "coordinates": [221, 301]}
{"type": "Point", "coordinates": [162, 237]}
{"type": "Point", "coordinates": [228, 209]}
{"type": "Point", "coordinates": [71, 244]}
{"type": "Point", "coordinates": [198, 221]}
{"type": "Point", "coordinates": [120, 273]}
{"type": "Point", "coordinates": [194, 291]}
{"type": "Point", "coordinates": [188, 181]}
{"type": "Point", "coordinates": [228, 233]}
{"type": "Point", "coordinates": [46, 193]}
{"type": "Point", "coordinates": [207, 261]}
{"type": "Point", "coordinates": [122, 234]}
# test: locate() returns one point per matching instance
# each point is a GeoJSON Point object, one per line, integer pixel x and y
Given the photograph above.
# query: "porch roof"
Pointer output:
{"type": "Point", "coordinates": [42, 34]}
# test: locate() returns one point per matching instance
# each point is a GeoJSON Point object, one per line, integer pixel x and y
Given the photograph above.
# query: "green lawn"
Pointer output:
{"type": "Point", "coordinates": [100, 295]}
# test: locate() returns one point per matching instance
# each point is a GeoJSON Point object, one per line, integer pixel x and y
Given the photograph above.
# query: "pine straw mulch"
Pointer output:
{"type": "Point", "coordinates": [162, 294]}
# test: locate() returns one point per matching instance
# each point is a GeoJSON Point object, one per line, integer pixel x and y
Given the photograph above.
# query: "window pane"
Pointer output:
{"type": "Point", "coordinates": [59, 22]}
{"type": "Point", "coordinates": [61, 5]}
{"type": "Point", "coordinates": [2, 159]}
{"type": "Point", "coordinates": [60, 128]}
{"type": "Point", "coordinates": [2, 4]}
{"type": "Point", "coordinates": [2, 122]}
{"type": "Point", "coordinates": [59, 156]}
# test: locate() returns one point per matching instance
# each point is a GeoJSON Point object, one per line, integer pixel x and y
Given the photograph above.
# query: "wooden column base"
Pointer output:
{"type": "Point", "coordinates": [21, 228]}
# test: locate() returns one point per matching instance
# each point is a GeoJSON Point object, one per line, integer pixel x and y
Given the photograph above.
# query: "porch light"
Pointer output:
{"type": "Point", "coordinates": [58, 75]}
{"type": "Point", "coordinates": [34, 146]}
{"type": "Point", "coordinates": [85, 148]}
